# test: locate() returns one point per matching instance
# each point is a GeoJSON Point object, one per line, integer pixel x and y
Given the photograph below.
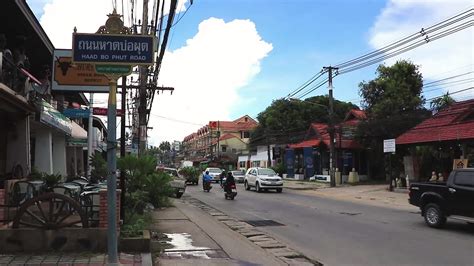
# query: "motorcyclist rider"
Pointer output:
{"type": "Point", "coordinates": [229, 182]}
{"type": "Point", "coordinates": [206, 178]}
{"type": "Point", "coordinates": [221, 178]}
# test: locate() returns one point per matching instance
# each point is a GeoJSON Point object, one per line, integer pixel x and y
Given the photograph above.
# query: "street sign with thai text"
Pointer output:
{"type": "Point", "coordinates": [103, 111]}
{"type": "Point", "coordinates": [113, 69]}
{"type": "Point", "coordinates": [76, 113]}
{"type": "Point", "coordinates": [113, 49]}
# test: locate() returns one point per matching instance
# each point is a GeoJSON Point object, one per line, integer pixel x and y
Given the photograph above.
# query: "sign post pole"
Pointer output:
{"type": "Point", "coordinates": [111, 170]}
{"type": "Point", "coordinates": [389, 146]}
{"type": "Point", "coordinates": [89, 136]}
{"type": "Point", "coordinates": [113, 51]}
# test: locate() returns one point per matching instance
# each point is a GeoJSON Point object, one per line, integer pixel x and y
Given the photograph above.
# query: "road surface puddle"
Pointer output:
{"type": "Point", "coordinates": [180, 246]}
{"type": "Point", "coordinates": [182, 242]}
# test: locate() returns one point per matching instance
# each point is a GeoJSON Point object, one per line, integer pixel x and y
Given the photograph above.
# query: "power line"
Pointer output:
{"type": "Point", "coordinates": [455, 76]}
{"type": "Point", "coordinates": [410, 47]}
{"type": "Point", "coordinates": [422, 33]}
{"type": "Point", "coordinates": [450, 93]}
{"type": "Point", "coordinates": [177, 120]}
{"type": "Point", "coordinates": [306, 84]}
{"type": "Point", "coordinates": [313, 88]}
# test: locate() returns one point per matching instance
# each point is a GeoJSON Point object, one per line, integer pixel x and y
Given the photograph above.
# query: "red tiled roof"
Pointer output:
{"type": "Point", "coordinates": [306, 143]}
{"type": "Point", "coordinates": [358, 114]}
{"type": "Point", "coordinates": [227, 136]}
{"type": "Point", "coordinates": [448, 124]}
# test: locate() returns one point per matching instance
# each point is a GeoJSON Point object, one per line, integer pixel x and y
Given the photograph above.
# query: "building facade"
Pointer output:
{"type": "Point", "coordinates": [219, 141]}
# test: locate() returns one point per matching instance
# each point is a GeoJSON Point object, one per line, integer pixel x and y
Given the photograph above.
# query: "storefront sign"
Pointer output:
{"type": "Point", "coordinates": [113, 49]}
{"type": "Point", "coordinates": [76, 77]}
{"type": "Point", "coordinates": [289, 162]}
{"type": "Point", "coordinates": [54, 118]}
{"type": "Point", "coordinates": [308, 161]}
{"type": "Point", "coordinates": [460, 163]}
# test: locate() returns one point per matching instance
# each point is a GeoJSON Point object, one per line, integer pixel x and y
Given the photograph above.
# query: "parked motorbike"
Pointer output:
{"type": "Point", "coordinates": [230, 194]}
{"type": "Point", "coordinates": [206, 185]}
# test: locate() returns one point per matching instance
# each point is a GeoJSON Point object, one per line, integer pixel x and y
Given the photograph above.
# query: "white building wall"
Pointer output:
{"type": "Point", "coordinates": [44, 151]}
{"type": "Point", "coordinates": [59, 155]}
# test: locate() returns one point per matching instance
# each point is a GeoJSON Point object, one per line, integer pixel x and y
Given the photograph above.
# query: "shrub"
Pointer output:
{"type": "Point", "coordinates": [279, 169]}
{"type": "Point", "coordinates": [99, 167]}
{"type": "Point", "coordinates": [158, 187]}
{"type": "Point", "coordinates": [135, 224]}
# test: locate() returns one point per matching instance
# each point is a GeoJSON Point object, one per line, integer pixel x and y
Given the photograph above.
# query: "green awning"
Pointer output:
{"type": "Point", "coordinates": [52, 117]}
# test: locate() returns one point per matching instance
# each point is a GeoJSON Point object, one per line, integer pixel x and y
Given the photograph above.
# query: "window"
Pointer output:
{"type": "Point", "coordinates": [242, 164]}
{"type": "Point", "coordinates": [464, 178]}
{"type": "Point", "coordinates": [224, 148]}
{"type": "Point", "coordinates": [244, 134]}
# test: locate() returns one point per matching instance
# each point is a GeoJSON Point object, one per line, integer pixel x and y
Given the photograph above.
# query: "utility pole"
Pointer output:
{"type": "Point", "coordinates": [89, 136]}
{"type": "Point", "coordinates": [142, 108]}
{"type": "Point", "coordinates": [122, 146]}
{"type": "Point", "coordinates": [332, 152]}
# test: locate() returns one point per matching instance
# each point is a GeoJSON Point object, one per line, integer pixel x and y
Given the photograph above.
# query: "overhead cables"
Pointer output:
{"type": "Point", "coordinates": [425, 35]}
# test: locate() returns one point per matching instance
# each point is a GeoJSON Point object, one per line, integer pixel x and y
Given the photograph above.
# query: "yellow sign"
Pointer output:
{"type": "Point", "coordinates": [459, 163]}
{"type": "Point", "coordinates": [76, 77]}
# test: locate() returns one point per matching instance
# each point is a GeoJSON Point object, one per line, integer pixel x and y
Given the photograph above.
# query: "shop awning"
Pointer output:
{"type": "Point", "coordinates": [78, 132]}
{"type": "Point", "coordinates": [52, 117]}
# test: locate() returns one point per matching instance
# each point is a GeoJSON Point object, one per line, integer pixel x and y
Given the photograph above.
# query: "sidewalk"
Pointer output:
{"type": "Point", "coordinates": [202, 235]}
{"type": "Point", "coordinates": [190, 236]}
{"type": "Point", "coordinates": [376, 195]}
{"type": "Point", "coordinates": [94, 259]}
{"type": "Point", "coordinates": [303, 185]}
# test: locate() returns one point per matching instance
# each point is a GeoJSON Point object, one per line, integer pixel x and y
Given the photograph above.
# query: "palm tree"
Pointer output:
{"type": "Point", "coordinates": [442, 102]}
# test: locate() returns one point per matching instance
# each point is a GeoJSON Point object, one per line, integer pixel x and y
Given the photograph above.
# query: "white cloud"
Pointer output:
{"type": "Point", "coordinates": [206, 74]}
{"type": "Point", "coordinates": [441, 58]}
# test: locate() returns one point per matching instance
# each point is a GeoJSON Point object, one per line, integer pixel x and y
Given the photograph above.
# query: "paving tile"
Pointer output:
{"type": "Point", "coordinates": [270, 244]}
{"type": "Point", "coordinates": [249, 233]}
{"type": "Point", "coordinates": [297, 261]}
{"type": "Point", "coordinates": [4, 259]}
{"type": "Point", "coordinates": [284, 252]}
{"type": "Point", "coordinates": [260, 238]}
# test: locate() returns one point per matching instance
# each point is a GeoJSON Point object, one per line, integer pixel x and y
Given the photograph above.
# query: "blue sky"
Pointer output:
{"type": "Point", "coordinates": [228, 58]}
{"type": "Point", "coordinates": [305, 35]}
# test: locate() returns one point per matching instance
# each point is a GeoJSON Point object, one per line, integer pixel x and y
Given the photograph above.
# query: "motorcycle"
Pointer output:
{"type": "Point", "coordinates": [206, 186]}
{"type": "Point", "coordinates": [230, 194]}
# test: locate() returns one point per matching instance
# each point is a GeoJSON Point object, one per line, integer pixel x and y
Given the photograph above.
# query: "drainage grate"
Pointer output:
{"type": "Point", "coordinates": [350, 213]}
{"type": "Point", "coordinates": [257, 223]}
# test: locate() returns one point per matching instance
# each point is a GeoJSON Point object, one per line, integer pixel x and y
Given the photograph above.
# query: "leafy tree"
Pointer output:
{"type": "Point", "coordinates": [287, 120]}
{"type": "Point", "coordinates": [394, 104]}
{"type": "Point", "coordinates": [442, 102]}
{"type": "Point", "coordinates": [397, 89]}
{"type": "Point", "coordinates": [165, 146]}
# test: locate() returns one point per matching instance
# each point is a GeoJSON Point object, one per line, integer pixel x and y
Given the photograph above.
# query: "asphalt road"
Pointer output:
{"type": "Point", "coordinates": [345, 233]}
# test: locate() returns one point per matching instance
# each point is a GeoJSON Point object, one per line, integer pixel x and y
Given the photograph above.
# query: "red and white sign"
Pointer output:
{"type": "Point", "coordinates": [103, 111]}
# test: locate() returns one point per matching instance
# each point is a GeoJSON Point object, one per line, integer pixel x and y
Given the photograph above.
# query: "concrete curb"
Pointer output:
{"type": "Point", "coordinates": [268, 243]}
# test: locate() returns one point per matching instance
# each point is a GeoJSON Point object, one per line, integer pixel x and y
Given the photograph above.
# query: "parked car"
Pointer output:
{"type": "Point", "coordinates": [178, 183]}
{"type": "Point", "coordinates": [439, 200]}
{"type": "Point", "coordinates": [263, 179]}
{"type": "Point", "coordinates": [239, 176]}
{"type": "Point", "coordinates": [215, 173]}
